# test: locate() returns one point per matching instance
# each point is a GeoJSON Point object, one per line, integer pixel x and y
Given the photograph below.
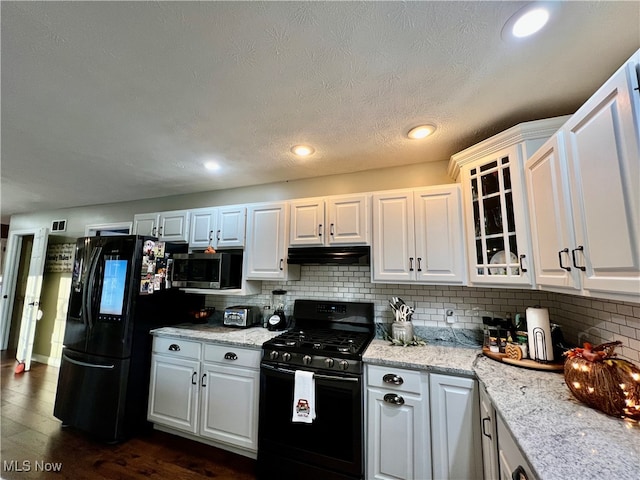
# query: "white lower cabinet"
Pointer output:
{"type": "Point", "coordinates": [229, 396]}
{"type": "Point", "coordinates": [206, 392]}
{"type": "Point", "coordinates": [398, 424]}
{"type": "Point", "coordinates": [512, 461]}
{"type": "Point", "coordinates": [455, 433]}
{"type": "Point", "coordinates": [422, 426]}
{"type": "Point", "coordinates": [489, 436]}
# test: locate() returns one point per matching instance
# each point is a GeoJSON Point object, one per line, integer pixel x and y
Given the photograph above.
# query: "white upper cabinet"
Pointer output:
{"type": "Point", "coordinates": [336, 220]}
{"type": "Point", "coordinates": [497, 230]}
{"type": "Point", "coordinates": [439, 235]}
{"type": "Point", "coordinates": [204, 226]}
{"type": "Point", "coordinates": [231, 226]}
{"type": "Point", "coordinates": [146, 224]}
{"type": "Point", "coordinates": [171, 226]}
{"type": "Point", "coordinates": [550, 216]}
{"type": "Point", "coordinates": [592, 171]}
{"type": "Point", "coordinates": [266, 252]}
{"type": "Point", "coordinates": [418, 236]}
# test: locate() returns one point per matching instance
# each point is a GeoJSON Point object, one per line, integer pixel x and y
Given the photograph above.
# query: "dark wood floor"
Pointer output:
{"type": "Point", "coordinates": [32, 439]}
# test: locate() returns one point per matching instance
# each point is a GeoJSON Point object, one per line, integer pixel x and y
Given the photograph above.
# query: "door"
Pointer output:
{"type": "Point", "coordinates": [497, 234]}
{"type": "Point", "coordinates": [455, 432]}
{"type": "Point", "coordinates": [145, 224]}
{"type": "Point", "coordinates": [31, 309]}
{"type": "Point", "coordinates": [203, 227]}
{"type": "Point", "coordinates": [394, 239]}
{"type": "Point", "coordinates": [307, 222]}
{"type": "Point", "coordinates": [349, 219]}
{"type": "Point", "coordinates": [397, 436]}
{"type": "Point", "coordinates": [265, 255]}
{"type": "Point", "coordinates": [603, 147]}
{"type": "Point", "coordinates": [91, 394]}
{"type": "Point", "coordinates": [229, 405]}
{"type": "Point", "coordinates": [173, 392]}
{"type": "Point", "coordinates": [231, 226]}
{"type": "Point", "coordinates": [103, 285]}
{"type": "Point", "coordinates": [439, 238]}
{"type": "Point", "coordinates": [333, 442]}
{"type": "Point", "coordinates": [174, 226]}
{"type": "Point", "coordinates": [550, 216]}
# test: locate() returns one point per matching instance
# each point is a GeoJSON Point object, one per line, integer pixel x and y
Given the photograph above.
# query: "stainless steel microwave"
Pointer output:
{"type": "Point", "coordinates": [221, 270]}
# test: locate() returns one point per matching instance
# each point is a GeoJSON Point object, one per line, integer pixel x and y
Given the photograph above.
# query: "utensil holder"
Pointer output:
{"type": "Point", "coordinates": [402, 331]}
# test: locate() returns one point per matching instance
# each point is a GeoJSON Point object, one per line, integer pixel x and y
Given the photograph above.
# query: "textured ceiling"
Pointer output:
{"type": "Point", "coordinates": [114, 101]}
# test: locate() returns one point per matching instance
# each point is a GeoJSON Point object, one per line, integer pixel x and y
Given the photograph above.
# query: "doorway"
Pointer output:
{"type": "Point", "coordinates": [19, 295]}
{"type": "Point", "coordinates": [21, 289]}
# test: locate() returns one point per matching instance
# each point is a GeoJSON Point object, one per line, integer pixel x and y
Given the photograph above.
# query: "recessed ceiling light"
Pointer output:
{"type": "Point", "coordinates": [302, 150]}
{"type": "Point", "coordinates": [212, 166]}
{"type": "Point", "coordinates": [421, 131]}
{"type": "Point", "coordinates": [527, 21]}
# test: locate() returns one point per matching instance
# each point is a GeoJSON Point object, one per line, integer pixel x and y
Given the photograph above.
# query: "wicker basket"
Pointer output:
{"type": "Point", "coordinates": [604, 382]}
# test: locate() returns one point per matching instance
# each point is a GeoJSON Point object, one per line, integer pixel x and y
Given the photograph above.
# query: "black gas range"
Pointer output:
{"type": "Point", "coordinates": [326, 335]}
{"type": "Point", "coordinates": [328, 338]}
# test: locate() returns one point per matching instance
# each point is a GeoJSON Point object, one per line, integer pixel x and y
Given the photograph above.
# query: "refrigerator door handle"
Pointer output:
{"type": "Point", "coordinates": [85, 364]}
{"type": "Point", "coordinates": [87, 303]}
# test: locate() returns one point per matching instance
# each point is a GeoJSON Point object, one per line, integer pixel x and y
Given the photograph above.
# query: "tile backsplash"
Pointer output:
{"type": "Point", "coordinates": [581, 318]}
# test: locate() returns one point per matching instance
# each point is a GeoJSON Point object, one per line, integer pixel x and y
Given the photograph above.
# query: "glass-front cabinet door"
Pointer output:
{"type": "Point", "coordinates": [498, 250]}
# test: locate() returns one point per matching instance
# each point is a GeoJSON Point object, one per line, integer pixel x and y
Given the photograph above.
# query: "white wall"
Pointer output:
{"type": "Point", "coordinates": [418, 175]}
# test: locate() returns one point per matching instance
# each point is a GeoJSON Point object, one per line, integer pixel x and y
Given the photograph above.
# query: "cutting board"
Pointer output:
{"type": "Point", "coordinates": [524, 363]}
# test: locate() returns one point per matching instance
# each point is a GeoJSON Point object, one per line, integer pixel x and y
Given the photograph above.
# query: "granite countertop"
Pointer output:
{"type": "Point", "coordinates": [560, 437]}
{"type": "Point", "coordinates": [252, 337]}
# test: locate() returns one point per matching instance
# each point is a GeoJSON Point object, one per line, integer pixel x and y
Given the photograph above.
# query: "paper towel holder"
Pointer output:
{"type": "Point", "coordinates": [540, 344]}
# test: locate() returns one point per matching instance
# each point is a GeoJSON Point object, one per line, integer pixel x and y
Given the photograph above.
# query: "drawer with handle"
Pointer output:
{"type": "Point", "coordinates": [391, 378]}
{"type": "Point", "coordinates": [177, 347]}
{"type": "Point", "coordinates": [232, 355]}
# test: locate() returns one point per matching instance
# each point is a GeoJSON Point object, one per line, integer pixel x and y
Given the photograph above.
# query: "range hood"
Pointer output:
{"type": "Point", "coordinates": [329, 255]}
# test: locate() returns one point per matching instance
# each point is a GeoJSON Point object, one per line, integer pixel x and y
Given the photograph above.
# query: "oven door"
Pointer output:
{"type": "Point", "coordinates": [329, 448]}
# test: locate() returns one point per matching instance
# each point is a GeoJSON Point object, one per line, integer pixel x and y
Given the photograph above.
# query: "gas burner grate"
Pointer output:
{"type": "Point", "coordinates": [327, 340]}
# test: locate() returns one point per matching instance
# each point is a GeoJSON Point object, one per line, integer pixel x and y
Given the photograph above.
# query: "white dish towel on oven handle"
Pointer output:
{"type": "Point", "coordinates": [304, 397]}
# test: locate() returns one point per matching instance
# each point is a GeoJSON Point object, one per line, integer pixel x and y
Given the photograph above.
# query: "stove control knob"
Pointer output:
{"type": "Point", "coordinates": [286, 356]}
{"type": "Point", "coordinates": [344, 365]}
{"type": "Point", "coordinates": [329, 362]}
{"type": "Point", "coordinates": [274, 355]}
{"type": "Point", "coordinates": [306, 359]}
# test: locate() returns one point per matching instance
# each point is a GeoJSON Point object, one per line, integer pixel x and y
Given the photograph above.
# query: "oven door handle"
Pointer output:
{"type": "Point", "coordinates": [318, 376]}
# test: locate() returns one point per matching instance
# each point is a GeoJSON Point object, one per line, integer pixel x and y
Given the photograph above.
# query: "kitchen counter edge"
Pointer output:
{"type": "Point", "coordinates": [559, 436]}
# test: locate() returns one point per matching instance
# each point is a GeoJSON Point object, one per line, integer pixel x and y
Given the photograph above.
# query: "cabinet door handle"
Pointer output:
{"type": "Point", "coordinates": [320, 230]}
{"type": "Point", "coordinates": [193, 378]}
{"type": "Point", "coordinates": [202, 384]}
{"type": "Point", "coordinates": [282, 264]}
{"type": "Point", "coordinates": [218, 235]}
{"type": "Point", "coordinates": [484, 430]}
{"type": "Point", "coordinates": [411, 264]}
{"type": "Point", "coordinates": [160, 230]}
{"type": "Point", "coordinates": [519, 474]}
{"type": "Point", "coordinates": [564, 250]}
{"type": "Point", "coordinates": [174, 347]}
{"type": "Point", "coordinates": [230, 356]}
{"type": "Point", "coordinates": [419, 264]}
{"type": "Point", "coordinates": [394, 399]}
{"type": "Point", "coordinates": [210, 235]}
{"type": "Point", "coordinates": [331, 229]}
{"type": "Point", "coordinates": [522, 269]}
{"type": "Point", "coordinates": [392, 378]}
{"type": "Point", "coordinates": [573, 256]}
{"type": "Point", "coordinates": [153, 231]}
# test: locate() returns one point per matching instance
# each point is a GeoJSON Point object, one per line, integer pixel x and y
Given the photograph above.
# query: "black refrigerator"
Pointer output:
{"type": "Point", "coordinates": [118, 294]}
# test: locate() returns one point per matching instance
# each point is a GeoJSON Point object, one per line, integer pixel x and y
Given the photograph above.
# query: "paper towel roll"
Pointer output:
{"type": "Point", "coordinates": [539, 333]}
